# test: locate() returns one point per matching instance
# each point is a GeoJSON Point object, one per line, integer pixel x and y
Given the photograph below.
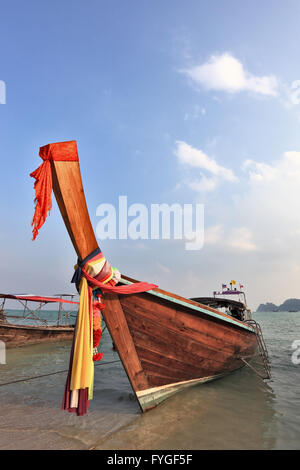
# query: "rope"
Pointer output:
{"type": "Point", "coordinates": [52, 373]}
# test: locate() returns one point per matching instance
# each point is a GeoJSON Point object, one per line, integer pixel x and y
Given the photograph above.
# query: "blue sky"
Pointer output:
{"type": "Point", "coordinates": [169, 102]}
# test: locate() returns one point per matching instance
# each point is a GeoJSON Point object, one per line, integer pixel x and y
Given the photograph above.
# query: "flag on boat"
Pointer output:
{"type": "Point", "coordinates": [224, 286]}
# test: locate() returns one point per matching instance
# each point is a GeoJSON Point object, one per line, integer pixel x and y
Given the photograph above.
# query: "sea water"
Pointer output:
{"type": "Point", "coordinates": [239, 411]}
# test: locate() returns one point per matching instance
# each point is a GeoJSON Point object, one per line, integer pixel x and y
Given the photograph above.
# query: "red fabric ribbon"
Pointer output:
{"type": "Point", "coordinates": [134, 288]}
{"type": "Point", "coordinates": [60, 151]}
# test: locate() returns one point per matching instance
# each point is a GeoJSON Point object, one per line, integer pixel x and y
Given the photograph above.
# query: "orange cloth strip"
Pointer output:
{"type": "Point", "coordinates": [60, 151]}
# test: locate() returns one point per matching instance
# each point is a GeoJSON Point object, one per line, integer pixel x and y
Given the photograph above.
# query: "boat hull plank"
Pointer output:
{"type": "Point", "coordinates": [19, 335]}
{"type": "Point", "coordinates": [215, 333]}
{"type": "Point", "coordinates": [188, 302]}
{"type": "Point", "coordinates": [188, 367]}
{"type": "Point", "coordinates": [145, 320]}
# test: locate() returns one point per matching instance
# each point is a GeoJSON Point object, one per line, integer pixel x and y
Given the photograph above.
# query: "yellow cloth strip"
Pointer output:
{"type": "Point", "coordinates": [82, 375]}
{"type": "Point", "coordinates": [83, 366]}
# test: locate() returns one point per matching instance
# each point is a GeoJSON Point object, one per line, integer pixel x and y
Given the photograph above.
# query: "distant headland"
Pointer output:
{"type": "Point", "coordinates": [289, 305]}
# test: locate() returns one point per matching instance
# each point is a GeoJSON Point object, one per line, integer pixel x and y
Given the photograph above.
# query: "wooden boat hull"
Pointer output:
{"type": "Point", "coordinates": [166, 348]}
{"type": "Point", "coordinates": [164, 341]}
{"type": "Point", "coordinates": [20, 335]}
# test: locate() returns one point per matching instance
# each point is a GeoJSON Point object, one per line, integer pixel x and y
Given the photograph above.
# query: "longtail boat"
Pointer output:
{"type": "Point", "coordinates": [166, 342]}
{"type": "Point", "coordinates": [19, 327]}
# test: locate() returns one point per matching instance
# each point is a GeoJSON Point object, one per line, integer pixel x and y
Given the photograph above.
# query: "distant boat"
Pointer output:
{"type": "Point", "coordinates": [237, 309]}
{"type": "Point", "coordinates": [166, 342]}
{"type": "Point", "coordinates": [22, 333]}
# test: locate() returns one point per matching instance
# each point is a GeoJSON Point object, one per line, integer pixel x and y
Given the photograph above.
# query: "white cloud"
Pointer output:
{"type": "Point", "coordinates": [236, 239]}
{"type": "Point", "coordinates": [254, 233]}
{"type": "Point", "coordinates": [196, 158]}
{"type": "Point", "coordinates": [285, 171]}
{"type": "Point", "coordinates": [213, 235]}
{"type": "Point", "coordinates": [203, 184]}
{"type": "Point", "coordinates": [226, 73]}
{"type": "Point", "coordinates": [261, 215]}
{"type": "Point", "coordinates": [274, 191]}
{"type": "Point", "coordinates": [260, 171]}
{"type": "Point", "coordinates": [265, 213]}
{"type": "Point", "coordinates": [295, 92]}
{"type": "Point", "coordinates": [290, 94]}
{"type": "Point", "coordinates": [241, 239]}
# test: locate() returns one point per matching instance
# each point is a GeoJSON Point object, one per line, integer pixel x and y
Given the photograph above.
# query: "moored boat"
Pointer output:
{"type": "Point", "coordinates": [22, 327]}
{"type": "Point", "coordinates": [166, 342]}
{"type": "Point", "coordinates": [236, 307]}
{"type": "Point", "coordinates": [21, 335]}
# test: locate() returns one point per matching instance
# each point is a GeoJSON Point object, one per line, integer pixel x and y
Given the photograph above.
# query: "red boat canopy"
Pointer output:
{"type": "Point", "coordinates": [36, 298]}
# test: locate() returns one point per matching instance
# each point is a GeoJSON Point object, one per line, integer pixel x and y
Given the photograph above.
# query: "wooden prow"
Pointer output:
{"type": "Point", "coordinates": [69, 194]}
